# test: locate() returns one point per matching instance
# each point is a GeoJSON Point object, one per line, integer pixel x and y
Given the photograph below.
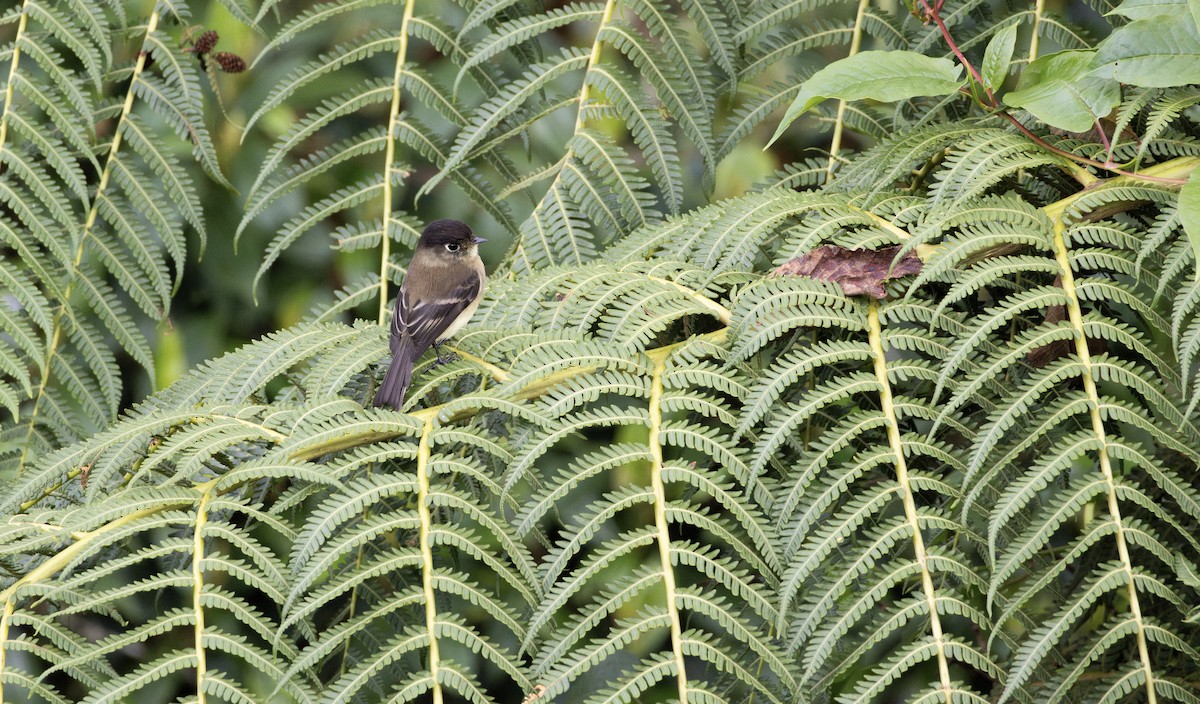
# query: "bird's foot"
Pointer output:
{"type": "Point", "coordinates": [443, 358]}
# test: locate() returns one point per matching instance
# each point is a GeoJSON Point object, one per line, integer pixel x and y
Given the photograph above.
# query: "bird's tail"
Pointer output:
{"type": "Point", "coordinates": [398, 377]}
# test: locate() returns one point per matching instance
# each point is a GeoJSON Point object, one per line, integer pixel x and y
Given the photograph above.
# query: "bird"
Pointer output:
{"type": "Point", "coordinates": [440, 292]}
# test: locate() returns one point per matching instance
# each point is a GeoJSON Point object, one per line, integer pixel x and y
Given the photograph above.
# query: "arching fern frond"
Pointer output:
{"type": "Point", "coordinates": [93, 224]}
{"type": "Point", "coordinates": [830, 615]}
{"type": "Point", "coordinates": [767, 453]}
{"type": "Point", "coordinates": [1068, 418]}
{"type": "Point", "coordinates": [213, 572]}
{"type": "Point", "coordinates": [695, 578]}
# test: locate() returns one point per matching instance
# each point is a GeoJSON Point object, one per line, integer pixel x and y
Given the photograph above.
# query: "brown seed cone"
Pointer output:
{"type": "Point", "coordinates": [205, 42]}
{"type": "Point", "coordinates": [229, 63]}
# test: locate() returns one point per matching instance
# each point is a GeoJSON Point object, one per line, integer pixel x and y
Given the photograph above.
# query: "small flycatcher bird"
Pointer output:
{"type": "Point", "coordinates": [439, 295]}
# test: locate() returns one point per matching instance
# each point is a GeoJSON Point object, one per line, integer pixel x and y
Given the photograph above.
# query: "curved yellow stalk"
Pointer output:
{"type": "Point", "coordinates": [198, 592]}
{"type": "Point", "coordinates": [1179, 168]}
{"type": "Point", "coordinates": [89, 224]}
{"type": "Point", "coordinates": [597, 47]}
{"type": "Point", "coordinates": [497, 374]}
{"type": "Point", "coordinates": [888, 408]}
{"type": "Point", "coordinates": [1075, 315]}
{"type": "Point", "coordinates": [426, 519]}
{"type": "Point", "coordinates": [52, 566]}
{"type": "Point", "coordinates": [660, 522]}
{"type": "Point", "coordinates": [385, 254]}
{"type": "Point", "coordinates": [721, 312]}
{"type": "Point", "coordinates": [839, 124]}
{"type": "Point", "coordinates": [12, 74]}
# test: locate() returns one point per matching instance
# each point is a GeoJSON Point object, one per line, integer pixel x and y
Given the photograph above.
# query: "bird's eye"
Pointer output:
{"type": "Point", "coordinates": [453, 247]}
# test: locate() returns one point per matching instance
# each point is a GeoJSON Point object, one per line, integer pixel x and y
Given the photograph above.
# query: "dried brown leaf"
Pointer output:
{"type": "Point", "coordinates": [858, 271]}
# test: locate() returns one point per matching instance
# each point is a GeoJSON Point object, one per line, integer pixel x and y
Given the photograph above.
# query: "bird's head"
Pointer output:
{"type": "Point", "coordinates": [449, 237]}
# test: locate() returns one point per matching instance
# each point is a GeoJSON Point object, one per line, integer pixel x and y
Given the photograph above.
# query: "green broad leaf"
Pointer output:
{"type": "Point", "coordinates": [1145, 9]}
{"type": "Point", "coordinates": [1061, 90]}
{"type": "Point", "coordinates": [886, 76]}
{"type": "Point", "coordinates": [998, 56]}
{"type": "Point", "coordinates": [1156, 52]}
{"type": "Point", "coordinates": [1189, 214]}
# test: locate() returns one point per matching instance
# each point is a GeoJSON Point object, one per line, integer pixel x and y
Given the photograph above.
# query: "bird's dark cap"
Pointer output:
{"type": "Point", "coordinates": [443, 232]}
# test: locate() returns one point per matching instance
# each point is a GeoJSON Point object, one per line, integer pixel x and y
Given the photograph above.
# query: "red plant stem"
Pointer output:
{"type": "Point", "coordinates": [934, 13]}
{"type": "Point", "coordinates": [1108, 144]}
{"type": "Point", "coordinates": [1104, 140]}
{"type": "Point", "coordinates": [1107, 166]}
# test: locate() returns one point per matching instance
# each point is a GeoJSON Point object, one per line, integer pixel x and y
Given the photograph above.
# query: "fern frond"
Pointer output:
{"type": "Point", "coordinates": [973, 166]}
{"type": "Point", "coordinates": [565, 654]}
{"type": "Point", "coordinates": [504, 105]}
{"type": "Point", "coordinates": [820, 511]}
{"type": "Point", "coordinates": [125, 203]}
{"type": "Point", "coordinates": [522, 29]}
{"type": "Point", "coordinates": [201, 606]}
{"type": "Point", "coordinates": [1028, 451]}
{"type": "Point", "coordinates": [650, 132]}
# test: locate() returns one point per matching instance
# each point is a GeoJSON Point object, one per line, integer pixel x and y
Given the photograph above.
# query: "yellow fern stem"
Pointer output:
{"type": "Point", "coordinates": [496, 373]}
{"type": "Point", "coordinates": [1039, 9]}
{"type": "Point", "coordinates": [1075, 315]}
{"type": "Point", "coordinates": [5, 620]}
{"type": "Point", "coordinates": [597, 47]}
{"type": "Point", "coordinates": [198, 592]}
{"type": "Point", "coordinates": [888, 408]}
{"type": "Point", "coordinates": [88, 226]}
{"type": "Point", "coordinates": [12, 74]}
{"type": "Point", "coordinates": [660, 522]}
{"type": "Point", "coordinates": [721, 313]}
{"type": "Point", "coordinates": [840, 123]}
{"type": "Point", "coordinates": [385, 253]}
{"type": "Point", "coordinates": [426, 519]}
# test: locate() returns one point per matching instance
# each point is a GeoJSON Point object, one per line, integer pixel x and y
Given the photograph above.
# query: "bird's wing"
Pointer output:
{"type": "Point", "coordinates": [423, 318]}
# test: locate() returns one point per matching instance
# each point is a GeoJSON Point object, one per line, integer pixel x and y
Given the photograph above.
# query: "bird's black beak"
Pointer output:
{"type": "Point", "coordinates": [477, 239]}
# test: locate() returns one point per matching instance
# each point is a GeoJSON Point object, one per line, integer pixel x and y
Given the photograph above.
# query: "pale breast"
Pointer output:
{"type": "Point", "coordinates": [462, 319]}
{"type": "Point", "coordinates": [465, 316]}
